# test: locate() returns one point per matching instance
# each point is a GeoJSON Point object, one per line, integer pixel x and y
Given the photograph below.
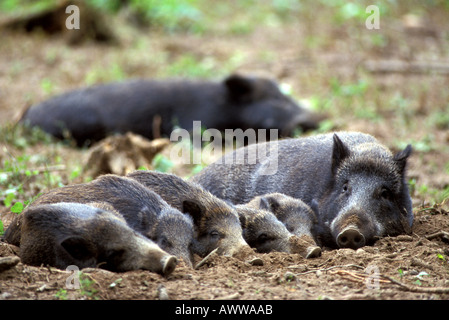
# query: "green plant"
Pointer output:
{"type": "Point", "coordinates": [401, 273]}
{"type": "Point", "coordinates": [61, 294]}
{"type": "Point", "coordinates": [170, 15]}
{"type": "Point", "coordinates": [189, 66]}
{"type": "Point", "coordinates": [22, 136]}
{"type": "Point", "coordinates": [87, 286]}
{"type": "Point", "coordinates": [113, 72]}
{"type": "Point", "coordinates": [419, 277]}
{"type": "Point", "coordinates": [162, 163]}
{"type": "Point", "coordinates": [47, 86]}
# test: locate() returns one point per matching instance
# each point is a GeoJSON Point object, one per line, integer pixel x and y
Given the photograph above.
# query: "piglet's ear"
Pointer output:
{"type": "Point", "coordinates": [339, 153]}
{"type": "Point", "coordinates": [79, 248]}
{"type": "Point", "coordinates": [269, 203]}
{"type": "Point", "coordinates": [264, 204]}
{"type": "Point", "coordinates": [239, 88]}
{"type": "Point", "coordinates": [400, 158]}
{"type": "Point", "coordinates": [242, 220]}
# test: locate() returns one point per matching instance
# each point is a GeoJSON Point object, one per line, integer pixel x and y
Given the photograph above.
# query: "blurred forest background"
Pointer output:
{"type": "Point", "coordinates": [391, 82]}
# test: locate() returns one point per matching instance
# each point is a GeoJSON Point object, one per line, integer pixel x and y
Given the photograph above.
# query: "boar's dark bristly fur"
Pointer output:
{"type": "Point", "coordinates": [150, 108]}
{"type": "Point", "coordinates": [63, 234]}
{"type": "Point", "coordinates": [216, 223]}
{"type": "Point", "coordinates": [143, 210]}
{"type": "Point", "coordinates": [298, 217]}
{"type": "Point", "coordinates": [360, 186]}
{"type": "Point", "coordinates": [263, 231]}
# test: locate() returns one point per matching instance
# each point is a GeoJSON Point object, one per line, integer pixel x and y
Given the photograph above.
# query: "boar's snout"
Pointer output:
{"type": "Point", "coordinates": [350, 237]}
{"type": "Point", "coordinates": [354, 229]}
{"type": "Point", "coordinates": [306, 120]}
{"type": "Point", "coordinates": [168, 264]}
{"type": "Point", "coordinates": [240, 252]}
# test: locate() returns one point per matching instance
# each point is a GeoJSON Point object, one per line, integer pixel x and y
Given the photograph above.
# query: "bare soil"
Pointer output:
{"type": "Point", "coordinates": [404, 267]}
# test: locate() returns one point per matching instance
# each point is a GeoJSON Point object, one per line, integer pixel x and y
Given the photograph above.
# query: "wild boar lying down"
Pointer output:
{"type": "Point", "coordinates": [360, 186]}
{"type": "Point", "coordinates": [143, 211]}
{"type": "Point", "coordinates": [64, 234]}
{"type": "Point", "coordinates": [151, 108]}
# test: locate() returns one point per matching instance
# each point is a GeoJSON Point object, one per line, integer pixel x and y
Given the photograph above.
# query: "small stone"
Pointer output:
{"type": "Point", "coordinates": [313, 252]}
{"type": "Point", "coordinates": [7, 263]}
{"type": "Point", "coordinates": [162, 293]}
{"type": "Point", "coordinates": [256, 262]}
{"type": "Point", "coordinates": [404, 237]}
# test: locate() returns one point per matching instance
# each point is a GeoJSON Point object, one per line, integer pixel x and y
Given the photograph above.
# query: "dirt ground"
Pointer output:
{"type": "Point", "coordinates": [416, 266]}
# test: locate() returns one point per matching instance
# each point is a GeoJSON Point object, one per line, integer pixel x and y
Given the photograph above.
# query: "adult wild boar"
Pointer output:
{"type": "Point", "coordinates": [216, 223]}
{"type": "Point", "coordinates": [360, 186]}
{"type": "Point", "coordinates": [143, 210]}
{"type": "Point", "coordinates": [64, 234]}
{"type": "Point", "coordinates": [152, 108]}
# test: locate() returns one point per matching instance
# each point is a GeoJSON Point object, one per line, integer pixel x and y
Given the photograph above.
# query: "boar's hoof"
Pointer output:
{"type": "Point", "coordinates": [313, 252]}
{"type": "Point", "coordinates": [350, 238]}
{"type": "Point", "coordinates": [168, 265]}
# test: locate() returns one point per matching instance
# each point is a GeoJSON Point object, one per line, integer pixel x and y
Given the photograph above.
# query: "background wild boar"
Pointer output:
{"type": "Point", "coordinates": [64, 234]}
{"type": "Point", "coordinates": [216, 222]}
{"type": "Point", "coordinates": [153, 108]}
{"type": "Point", "coordinates": [360, 186]}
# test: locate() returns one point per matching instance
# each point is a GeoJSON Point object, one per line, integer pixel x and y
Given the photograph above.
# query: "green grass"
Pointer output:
{"type": "Point", "coordinates": [22, 171]}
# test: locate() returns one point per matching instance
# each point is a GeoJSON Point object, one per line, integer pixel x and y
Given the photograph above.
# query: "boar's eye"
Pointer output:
{"type": "Point", "coordinates": [345, 187]}
{"type": "Point", "coordinates": [164, 243]}
{"type": "Point", "coordinates": [386, 194]}
{"type": "Point", "coordinates": [214, 234]}
{"type": "Point", "coordinates": [263, 237]}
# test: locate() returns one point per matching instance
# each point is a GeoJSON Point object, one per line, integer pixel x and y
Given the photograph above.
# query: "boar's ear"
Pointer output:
{"type": "Point", "coordinates": [242, 220]}
{"type": "Point", "coordinates": [400, 158]}
{"type": "Point", "coordinates": [79, 248]}
{"type": "Point", "coordinates": [269, 203]}
{"type": "Point", "coordinates": [339, 153]}
{"type": "Point", "coordinates": [239, 87]}
{"type": "Point", "coordinates": [264, 204]}
{"type": "Point", "coordinates": [314, 206]}
{"type": "Point", "coordinates": [196, 210]}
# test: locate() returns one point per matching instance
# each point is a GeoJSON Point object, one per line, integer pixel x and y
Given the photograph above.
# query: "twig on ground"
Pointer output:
{"type": "Point", "coordinates": [202, 262]}
{"type": "Point", "coordinates": [443, 234]}
{"type": "Point", "coordinates": [355, 276]}
{"type": "Point", "coordinates": [412, 288]}
{"type": "Point", "coordinates": [330, 268]}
